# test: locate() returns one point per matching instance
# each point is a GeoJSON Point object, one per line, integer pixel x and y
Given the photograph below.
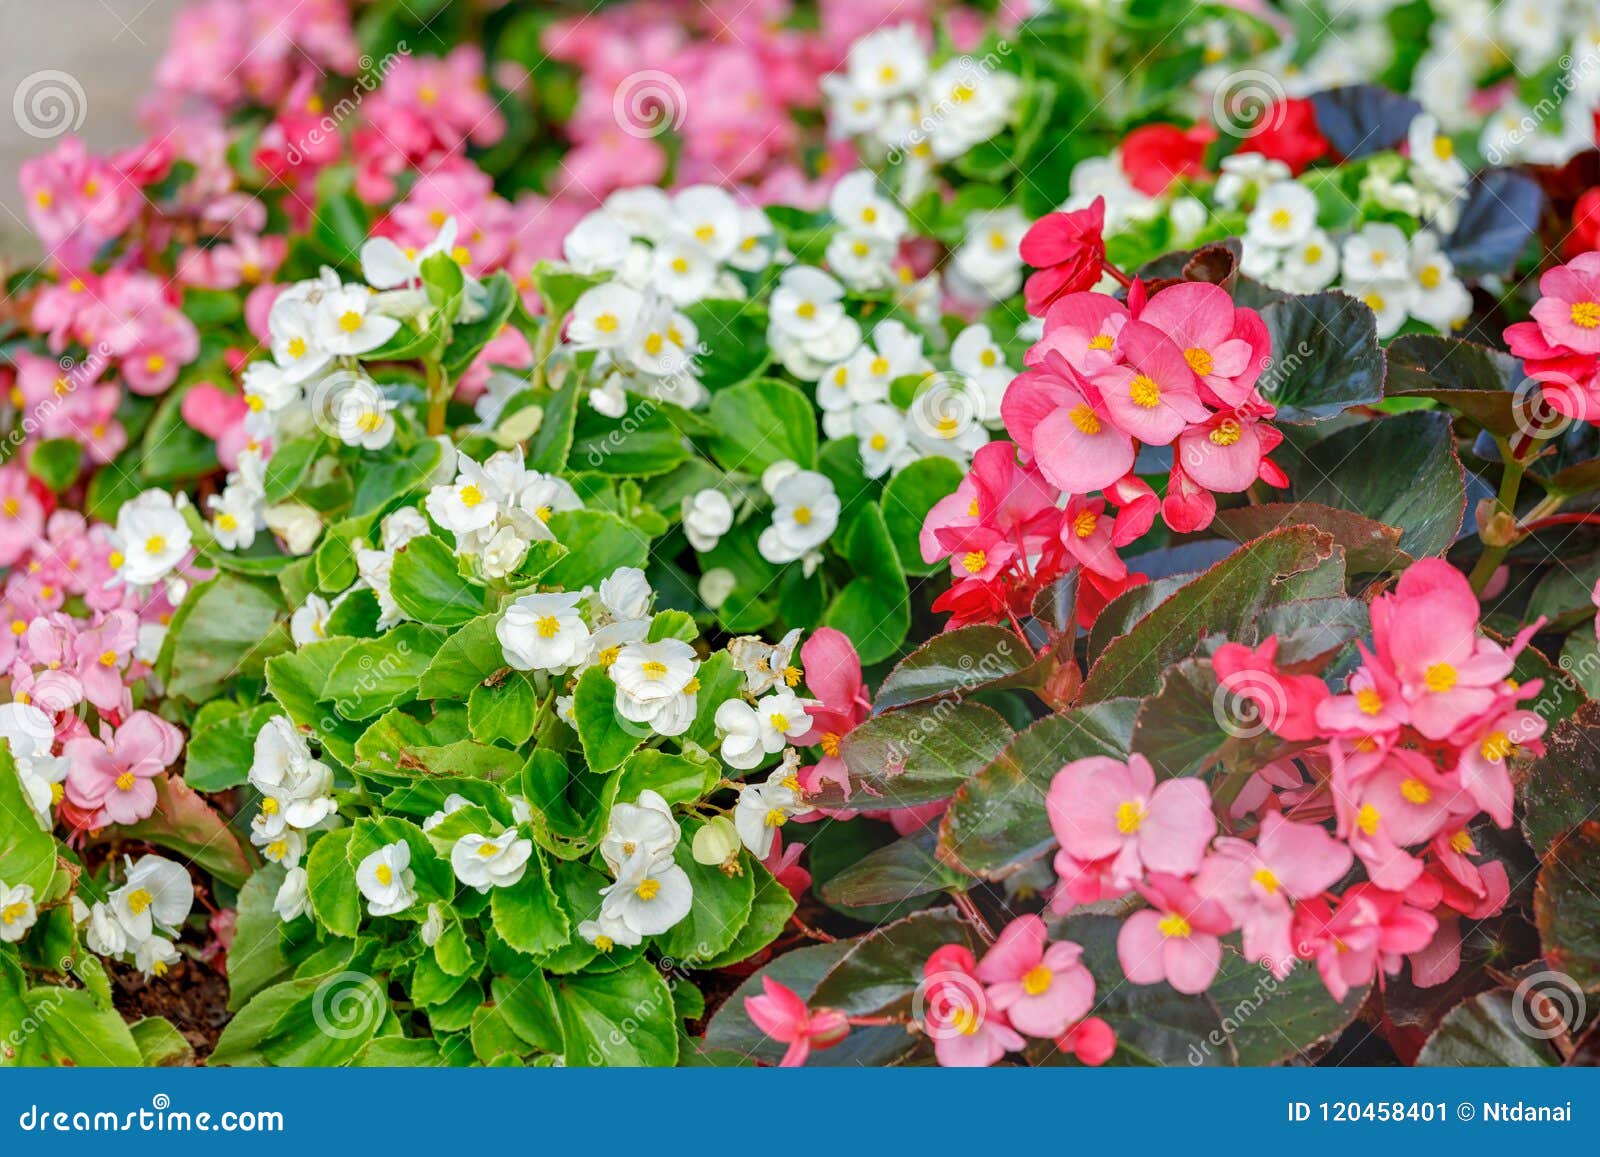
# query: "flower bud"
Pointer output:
{"type": "Point", "coordinates": [716, 843]}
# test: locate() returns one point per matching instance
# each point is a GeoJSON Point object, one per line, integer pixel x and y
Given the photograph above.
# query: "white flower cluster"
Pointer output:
{"type": "Point", "coordinates": [18, 913]}
{"type": "Point", "coordinates": [863, 250]}
{"type": "Point", "coordinates": [498, 509]}
{"type": "Point", "coordinates": [896, 104]}
{"type": "Point", "coordinates": [1396, 276]}
{"type": "Point", "coordinates": [663, 252]}
{"type": "Point", "coordinates": [296, 796]}
{"type": "Point", "coordinates": [650, 892]}
{"type": "Point", "coordinates": [31, 736]}
{"type": "Point", "coordinates": [142, 917]}
{"type": "Point", "coordinates": [151, 541]}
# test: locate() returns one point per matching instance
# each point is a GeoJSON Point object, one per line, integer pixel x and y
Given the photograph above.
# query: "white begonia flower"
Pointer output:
{"type": "Point", "coordinates": [650, 895]}
{"type": "Point", "coordinates": [899, 354]}
{"type": "Point", "coordinates": [766, 665]}
{"type": "Point", "coordinates": [971, 104]}
{"type": "Point", "coordinates": [990, 258]}
{"type": "Point", "coordinates": [888, 62]}
{"type": "Point", "coordinates": [805, 512]}
{"type": "Point", "coordinates": [763, 808]}
{"type": "Point", "coordinates": [608, 932]}
{"type": "Point", "coordinates": [453, 803]}
{"type": "Point", "coordinates": [625, 593]}
{"type": "Point", "coordinates": [544, 632]}
{"type": "Point", "coordinates": [598, 243]}
{"type": "Point", "coordinates": [1244, 174]}
{"type": "Point", "coordinates": [294, 342]}
{"type": "Point", "coordinates": [538, 497]}
{"type": "Point", "coordinates": [643, 210]}
{"type": "Point", "coordinates": [285, 846]}
{"type": "Point", "coordinates": [235, 518]}
{"type": "Point", "coordinates": [156, 894]}
{"type": "Point", "coordinates": [707, 516]}
{"type": "Point", "coordinates": [365, 418]}
{"type": "Point", "coordinates": [753, 252]}
{"type": "Point", "coordinates": [386, 880]}
{"type": "Point", "coordinates": [740, 729]}
{"type": "Point", "coordinates": [17, 912]}
{"type": "Point", "coordinates": [267, 389]}
{"type": "Point", "coordinates": [682, 270]}
{"type": "Point", "coordinates": [716, 585]}
{"type": "Point", "coordinates": [647, 824]}
{"type": "Point", "coordinates": [662, 343]}
{"type": "Point", "coordinates": [859, 206]}
{"type": "Point", "coordinates": [1284, 216]}
{"type": "Point", "coordinates": [603, 316]}
{"type": "Point", "coordinates": [1389, 300]}
{"type": "Point", "coordinates": [657, 684]}
{"type": "Point", "coordinates": [880, 431]}
{"type": "Point", "coordinates": [807, 357]}
{"type": "Point", "coordinates": [309, 622]}
{"type": "Point", "coordinates": [503, 553]}
{"type": "Point", "coordinates": [839, 391]}
{"type": "Point", "coordinates": [1433, 157]}
{"type": "Point", "coordinates": [707, 216]}
{"type": "Point", "coordinates": [485, 862]}
{"type": "Point", "coordinates": [609, 399]}
{"type": "Point", "coordinates": [295, 788]}
{"type": "Point", "coordinates": [291, 901]}
{"type": "Point", "coordinates": [1310, 266]}
{"type": "Point", "coordinates": [155, 956]}
{"type": "Point", "coordinates": [776, 473]}
{"type": "Point", "coordinates": [401, 527]}
{"type": "Point", "coordinates": [807, 303]}
{"type": "Point", "coordinates": [386, 265]}
{"type": "Point", "coordinates": [347, 325]}
{"type": "Point", "coordinates": [468, 505]}
{"type": "Point", "coordinates": [151, 538]}
{"type": "Point", "coordinates": [376, 568]}
{"type": "Point", "coordinates": [432, 926]}
{"type": "Point", "coordinates": [31, 735]}
{"type": "Point", "coordinates": [862, 261]}
{"type": "Point", "coordinates": [1378, 252]}
{"type": "Point", "coordinates": [105, 935]}
{"type": "Point", "coordinates": [298, 525]}
{"type": "Point", "coordinates": [1437, 295]}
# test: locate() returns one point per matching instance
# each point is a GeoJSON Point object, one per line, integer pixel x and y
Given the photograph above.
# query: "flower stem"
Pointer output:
{"type": "Point", "coordinates": [967, 908]}
{"type": "Point", "coordinates": [438, 396]}
{"type": "Point", "coordinates": [1491, 558]}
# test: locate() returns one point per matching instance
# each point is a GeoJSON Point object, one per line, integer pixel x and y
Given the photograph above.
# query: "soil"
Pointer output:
{"type": "Point", "coordinates": [192, 995]}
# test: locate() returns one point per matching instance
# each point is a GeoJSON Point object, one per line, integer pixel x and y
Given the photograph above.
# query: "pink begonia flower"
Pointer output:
{"type": "Point", "coordinates": [782, 1015]}
{"type": "Point", "coordinates": [1083, 882]}
{"type": "Point", "coordinates": [1371, 930]}
{"type": "Point", "coordinates": [1063, 422]}
{"type": "Point", "coordinates": [1485, 765]}
{"type": "Point", "coordinates": [1137, 506]}
{"type": "Point", "coordinates": [1089, 534]}
{"type": "Point", "coordinates": [76, 201]}
{"type": "Point", "coordinates": [1175, 939]}
{"type": "Point", "coordinates": [1091, 1040]}
{"type": "Point", "coordinates": [833, 677]}
{"type": "Point", "coordinates": [1082, 330]}
{"type": "Point", "coordinates": [112, 775]}
{"type": "Point", "coordinates": [967, 1030]}
{"type": "Point", "coordinates": [1450, 903]}
{"type": "Point", "coordinates": [220, 416]}
{"type": "Point", "coordinates": [1405, 802]}
{"type": "Point", "coordinates": [1372, 707]}
{"type": "Point", "coordinates": [1227, 451]}
{"type": "Point", "coordinates": [1188, 506]}
{"type": "Point", "coordinates": [102, 653]}
{"type": "Point", "coordinates": [21, 513]}
{"type": "Point", "coordinates": [783, 862]}
{"type": "Point", "coordinates": [1285, 704]}
{"type": "Point", "coordinates": [1100, 807]}
{"type": "Point", "coordinates": [1426, 632]}
{"type": "Point", "coordinates": [1042, 990]}
{"type": "Point", "coordinates": [1153, 395]}
{"type": "Point", "coordinates": [58, 309]}
{"type": "Point", "coordinates": [139, 324]}
{"type": "Point", "coordinates": [1225, 346]}
{"type": "Point", "coordinates": [1568, 312]}
{"type": "Point", "coordinates": [1258, 884]}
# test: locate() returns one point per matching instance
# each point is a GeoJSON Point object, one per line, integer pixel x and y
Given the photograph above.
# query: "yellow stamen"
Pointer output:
{"type": "Point", "coordinates": [1367, 819]}
{"type": "Point", "coordinates": [1173, 925]}
{"type": "Point", "coordinates": [1036, 981]}
{"type": "Point", "coordinates": [1415, 791]}
{"type": "Point", "coordinates": [1130, 814]}
{"type": "Point", "coordinates": [1144, 392]}
{"type": "Point", "coordinates": [1440, 677]}
{"type": "Point", "coordinates": [1085, 419]}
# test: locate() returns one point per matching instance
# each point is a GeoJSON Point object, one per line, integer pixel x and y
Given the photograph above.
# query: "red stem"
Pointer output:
{"type": "Point", "coordinates": [1572, 518]}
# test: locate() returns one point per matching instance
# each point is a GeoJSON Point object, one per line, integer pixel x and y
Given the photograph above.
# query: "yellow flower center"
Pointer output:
{"type": "Point", "coordinates": [1586, 314]}
{"type": "Point", "coordinates": [608, 656]}
{"type": "Point", "coordinates": [705, 234]}
{"type": "Point", "coordinates": [1266, 879]}
{"type": "Point", "coordinates": [488, 851]}
{"type": "Point", "coordinates": [1036, 981]}
{"type": "Point", "coordinates": [974, 561]}
{"type": "Point", "coordinates": [126, 780]}
{"type": "Point", "coordinates": [349, 321]}
{"type": "Point", "coordinates": [1200, 361]}
{"type": "Point", "coordinates": [1415, 791]}
{"type": "Point", "coordinates": [647, 889]}
{"type": "Point", "coordinates": [802, 515]}
{"type": "Point", "coordinates": [385, 874]}
{"type": "Point", "coordinates": [806, 309]}
{"type": "Point", "coordinates": [269, 806]}
{"type": "Point", "coordinates": [606, 323]}
{"type": "Point", "coordinates": [1281, 219]}
{"type": "Point", "coordinates": [878, 442]}
{"type": "Point", "coordinates": [1430, 277]}
{"type": "Point", "coordinates": [1085, 419]}
{"type": "Point", "coordinates": [830, 743]}
{"type": "Point", "coordinates": [964, 1020]}
{"type": "Point", "coordinates": [653, 668]}
{"type": "Point", "coordinates": [1440, 677]}
{"type": "Point", "coordinates": [1084, 525]}
{"type": "Point", "coordinates": [1173, 925]}
{"type": "Point", "coordinates": [1101, 341]}
{"type": "Point", "coordinates": [604, 943]}
{"type": "Point", "coordinates": [139, 900]}
{"type": "Point", "coordinates": [654, 344]}
{"type": "Point", "coordinates": [779, 721]}
{"type": "Point", "coordinates": [1496, 747]}
{"type": "Point", "coordinates": [548, 626]}
{"type": "Point", "coordinates": [1144, 392]}
{"type": "Point", "coordinates": [227, 522]}
{"type": "Point", "coordinates": [1367, 819]}
{"type": "Point", "coordinates": [1130, 814]}
{"type": "Point", "coordinates": [776, 817]}
{"type": "Point", "coordinates": [11, 913]}
{"type": "Point", "coordinates": [1312, 254]}
{"type": "Point", "coordinates": [1369, 701]}
{"type": "Point", "coordinates": [155, 544]}
{"type": "Point", "coordinates": [108, 658]}
{"type": "Point", "coordinates": [1443, 147]}
{"type": "Point", "coordinates": [470, 496]}
{"type": "Point", "coordinates": [369, 422]}
{"type": "Point", "coordinates": [1227, 433]}
{"type": "Point", "coordinates": [1461, 842]}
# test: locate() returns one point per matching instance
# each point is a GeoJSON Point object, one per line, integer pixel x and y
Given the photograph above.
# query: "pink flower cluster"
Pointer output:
{"type": "Point", "coordinates": [1402, 762]}
{"type": "Point", "coordinates": [70, 637]}
{"type": "Point", "coordinates": [976, 1011]}
{"type": "Point", "coordinates": [1560, 347]}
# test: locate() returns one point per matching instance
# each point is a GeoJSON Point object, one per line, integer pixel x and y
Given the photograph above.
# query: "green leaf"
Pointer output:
{"type": "Point", "coordinates": [917, 755]}
{"type": "Point", "coordinates": [1486, 1031]}
{"type": "Point", "coordinates": [560, 287]}
{"type": "Point", "coordinates": [27, 850]}
{"type": "Point", "coordinates": [503, 712]}
{"type": "Point", "coordinates": [1232, 593]}
{"type": "Point", "coordinates": [550, 446]}
{"type": "Point", "coordinates": [720, 908]}
{"type": "Point", "coordinates": [528, 915]}
{"type": "Point", "coordinates": [1370, 547]}
{"type": "Point", "coordinates": [686, 778]}
{"type": "Point", "coordinates": [528, 1005]}
{"type": "Point", "coordinates": [1567, 909]}
{"type": "Point", "coordinates": [874, 607]}
{"type": "Point", "coordinates": [1557, 792]}
{"type": "Point", "coordinates": [288, 467]}
{"type": "Point", "coordinates": [499, 299]}
{"type": "Point", "coordinates": [226, 629]}
{"type": "Point", "coordinates": [1325, 357]}
{"type": "Point", "coordinates": [256, 956]}
{"type": "Point", "coordinates": [907, 498]}
{"type": "Point", "coordinates": [221, 751]}
{"type": "Point", "coordinates": [376, 674]}
{"type": "Point", "coordinates": [55, 462]}
{"type": "Point", "coordinates": [1267, 1020]}
{"type": "Point", "coordinates": [464, 660]}
{"type": "Point", "coordinates": [762, 422]}
{"type": "Point", "coordinates": [331, 883]}
{"type": "Point", "coordinates": [296, 681]}
{"type": "Point", "coordinates": [1401, 471]}
{"type": "Point", "coordinates": [597, 544]}
{"type": "Point", "coordinates": [380, 484]}
{"type": "Point", "coordinates": [78, 1032]}
{"type": "Point", "coordinates": [329, 1020]}
{"type": "Point", "coordinates": [770, 909]}
{"type": "Point", "coordinates": [429, 587]}
{"type": "Point", "coordinates": [643, 442]}
{"type": "Point", "coordinates": [884, 968]}
{"type": "Point", "coordinates": [733, 335]}
{"type": "Point", "coordinates": [956, 662]}
{"type": "Point", "coordinates": [894, 873]}
{"type": "Point", "coordinates": [1471, 379]}
{"type": "Point", "coordinates": [607, 738]}
{"type": "Point", "coordinates": [621, 1018]}
{"type": "Point", "coordinates": [997, 821]}
{"type": "Point", "coordinates": [172, 449]}
{"type": "Point", "coordinates": [160, 1045]}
